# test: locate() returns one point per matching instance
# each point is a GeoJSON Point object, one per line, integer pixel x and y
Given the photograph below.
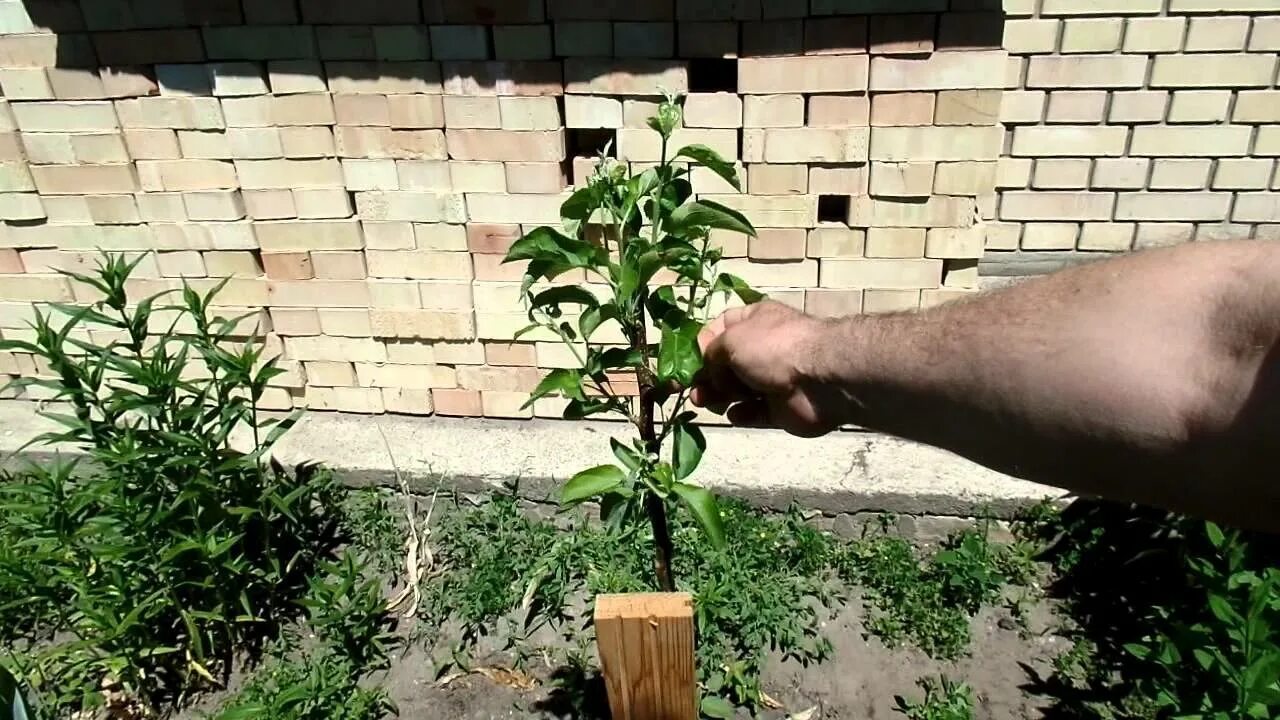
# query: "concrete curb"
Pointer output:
{"type": "Point", "coordinates": [842, 473]}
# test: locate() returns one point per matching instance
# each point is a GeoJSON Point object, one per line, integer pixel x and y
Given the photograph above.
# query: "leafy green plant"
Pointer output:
{"type": "Point", "coordinates": [137, 575]}
{"type": "Point", "coordinates": [622, 230]}
{"type": "Point", "coordinates": [317, 685]}
{"type": "Point", "coordinates": [1169, 616]}
{"type": "Point", "coordinates": [944, 699]}
{"type": "Point", "coordinates": [767, 590]}
{"type": "Point", "coordinates": [1234, 651]}
{"type": "Point", "coordinates": [349, 612]}
{"type": "Point", "coordinates": [928, 601]}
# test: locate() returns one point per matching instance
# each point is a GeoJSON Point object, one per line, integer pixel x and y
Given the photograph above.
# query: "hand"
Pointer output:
{"type": "Point", "coordinates": [755, 369]}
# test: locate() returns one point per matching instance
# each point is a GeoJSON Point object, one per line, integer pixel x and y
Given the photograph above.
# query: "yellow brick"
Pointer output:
{"type": "Point", "coordinates": [1190, 206]}
{"type": "Point", "coordinates": [503, 145]}
{"type": "Point", "coordinates": [774, 274]}
{"type": "Point", "coordinates": [1086, 71]}
{"type": "Point", "coordinates": [835, 242]}
{"type": "Point", "coordinates": [338, 265]}
{"type": "Point", "coordinates": [361, 174]}
{"type": "Point", "coordinates": [477, 177]}
{"type": "Point", "coordinates": [1204, 141]}
{"type": "Point", "coordinates": [1200, 106]}
{"type": "Point", "coordinates": [983, 69]}
{"type": "Point", "coordinates": [414, 377]}
{"type": "Point", "coordinates": [955, 242]}
{"type": "Point", "coordinates": [201, 144]}
{"type": "Point", "coordinates": [80, 179]}
{"type": "Point", "coordinates": [764, 111]}
{"type": "Point", "coordinates": [529, 113]}
{"type": "Point", "coordinates": [1039, 205]}
{"type": "Point", "coordinates": [253, 143]}
{"type": "Point", "coordinates": [895, 242]}
{"type": "Point", "coordinates": [26, 84]}
{"type": "Point", "coordinates": [1050, 236]}
{"type": "Point", "coordinates": [445, 295]}
{"type": "Point", "coordinates": [838, 179]}
{"type": "Point", "coordinates": [890, 301]}
{"type": "Point", "coordinates": [1213, 70]}
{"type": "Point", "coordinates": [901, 179]}
{"type": "Point", "coordinates": [289, 174]}
{"type": "Point", "coordinates": [815, 145]}
{"type": "Point", "coordinates": [307, 142]}
{"type": "Point", "coordinates": [318, 293]}
{"type": "Point", "coordinates": [428, 324]}
{"type": "Point", "coordinates": [1257, 106]}
{"type": "Point", "coordinates": [214, 205]}
{"type": "Point", "coordinates": [1092, 35]}
{"type": "Point", "coordinates": [1076, 106]}
{"type": "Point", "coordinates": [406, 205]}
{"type": "Point", "coordinates": [1100, 7]}
{"type": "Point", "coordinates": [778, 180]}
{"type": "Point", "coordinates": [811, 74]}
{"type": "Point", "coordinates": [936, 143]}
{"type": "Point", "coordinates": [1266, 34]}
{"type": "Point", "coordinates": [881, 273]}
{"type": "Point", "coordinates": [1061, 174]}
{"type": "Point", "coordinates": [464, 111]}
{"type": "Point", "coordinates": [1242, 173]}
{"type": "Point", "coordinates": [330, 373]}
{"type": "Point", "coordinates": [1027, 37]}
{"type": "Point", "coordinates": [585, 111]}
{"type": "Point", "coordinates": [968, 107]}
{"type": "Point", "coordinates": [937, 211]}
{"type": "Point", "coordinates": [322, 203]}
{"type": "Point", "coordinates": [382, 143]}
{"type": "Point", "coordinates": [421, 175]}
{"type": "Point", "coordinates": [964, 178]}
{"type": "Point", "coordinates": [774, 211]}
{"type": "Point", "coordinates": [1217, 33]}
{"type": "Point", "coordinates": [179, 113]}
{"type": "Point", "coordinates": [415, 111]}
{"type": "Point", "coordinates": [1180, 174]}
{"type": "Point", "coordinates": [1070, 141]}
{"type": "Point", "coordinates": [591, 76]}
{"type": "Point", "coordinates": [514, 209]}
{"type": "Point", "coordinates": [713, 110]}
{"type": "Point", "coordinates": [646, 145]}
{"type": "Point", "coordinates": [1257, 207]}
{"type": "Point", "coordinates": [419, 264]}
{"type": "Point", "coordinates": [309, 235]}
{"type": "Point", "coordinates": [1110, 237]}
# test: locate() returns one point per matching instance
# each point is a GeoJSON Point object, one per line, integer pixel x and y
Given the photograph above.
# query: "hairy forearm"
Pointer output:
{"type": "Point", "coordinates": [1147, 378]}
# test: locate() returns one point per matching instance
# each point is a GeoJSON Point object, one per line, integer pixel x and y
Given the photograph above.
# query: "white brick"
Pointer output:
{"type": "Point", "coordinates": [586, 111]}
{"type": "Point", "coordinates": [64, 116]}
{"type": "Point", "coordinates": [289, 174]}
{"type": "Point", "coordinates": [237, 78]}
{"type": "Point", "coordinates": [936, 143]}
{"type": "Point", "coordinates": [881, 273]}
{"type": "Point", "coordinates": [811, 74]}
{"type": "Point", "coordinates": [1069, 141]}
{"type": "Point", "coordinates": [1213, 141]}
{"type": "Point", "coordinates": [1086, 71]}
{"type": "Point", "coordinates": [1213, 70]}
{"type": "Point", "coordinates": [1039, 205]}
{"type": "Point", "coordinates": [1190, 206]}
{"type": "Point", "coordinates": [179, 113]}
{"type": "Point", "coordinates": [309, 235]}
{"type": "Point", "coordinates": [939, 71]}
{"type": "Point", "coordinates": [412, 206]}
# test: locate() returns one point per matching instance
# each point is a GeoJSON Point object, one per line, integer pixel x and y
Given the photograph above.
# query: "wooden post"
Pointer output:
{"type": "Point", "coordinates": [646, 653]}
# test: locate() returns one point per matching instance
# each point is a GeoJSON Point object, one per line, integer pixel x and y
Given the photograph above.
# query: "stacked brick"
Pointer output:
{"type": "Point", "coordinates": [358, 169]}
{"type": "Point", "coordinates": [1139, 123]}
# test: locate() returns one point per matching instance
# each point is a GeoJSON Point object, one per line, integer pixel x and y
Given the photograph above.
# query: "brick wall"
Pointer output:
{"type": "Point", "coordinates": [1137, 123]}
{"type": "Point", "coordinates": [359, 168]}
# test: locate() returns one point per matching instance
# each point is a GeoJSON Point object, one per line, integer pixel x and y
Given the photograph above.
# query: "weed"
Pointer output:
{"type": "Point", "coordinates": [929, 601]}
{"type": "Point", "coordinates": [349, 613]}
{"type": "Point", "coordinates": [1189, 632]}
{"type": "Point", "coordinates": [622, 230]}
{"type": "Point", "coordinates": [375, 530]}
{"type": "Point", "coordinates": [318, 685]}
{"type": "Point", "coordinates": [136, 577]}
{"type": "Point", "coordinates": [944, 699]}
{"type": "Point", "coordinates": [763, 591]}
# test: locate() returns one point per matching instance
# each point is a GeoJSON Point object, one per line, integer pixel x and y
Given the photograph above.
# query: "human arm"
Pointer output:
{"type": "Point", "coordinates": [1153, 377]}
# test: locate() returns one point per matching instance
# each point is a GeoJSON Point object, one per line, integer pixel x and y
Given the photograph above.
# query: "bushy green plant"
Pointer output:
{"type": "Point", "coordinates": [928, 601]}
{"type": "Point", "coordinates": [139, 573]}
{"type": "Point", "coordinates": [349, 612]}
{"type": "Point", "coordinates": [766, 591]}
{"type": "Point", "coordinates": [622, 230]}
{"type": "Point", "coordinates": [317, 685]}
{"type": "Point", "coordinates": [944, 699]}
{"type": "Point", "coordinates": [1170, 616]}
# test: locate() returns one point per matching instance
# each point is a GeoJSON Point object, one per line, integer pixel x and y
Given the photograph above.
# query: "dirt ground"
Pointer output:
{"type": "Point", "coordinates": [858, 682]}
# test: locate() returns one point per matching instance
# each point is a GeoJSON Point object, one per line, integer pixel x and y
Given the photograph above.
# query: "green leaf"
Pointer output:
{"type": "Point", "coordinates": [628, 457]}
{"type": "Point", "coordinates": [689, 443]}
{"type": "Point", "coordinates": [711, 160]}
{"type": "Point", "coordinates": [563, 382]}
{"type": "Point", "coordinates": [555, 250]}
{"type": "Point", "coordinates": [679, 357]}
{"type": "Point", "coordinates": [663, 307]}
{"type": "Point", "coordinates": [1216, 536]}
{"type": "Point", "coordinates": [580, 204]}
{"type": "Point", "coordinates": [708, 214]}
{"type": "Point", "coordinates": [564, 294]}
{"type": "Point", "coordinates": [637, 273]}
{"type": "Point", "coordinates": [717, 707]}
{"type": "Point", "coordinates": [590, 483]}
{"type": "Point", "coordinates": [594, 317]}
{"type": "Point", "coordinates": [667, 119]}
{"type": "Point", "coordinates": [736, 285]}
{"type": "Point", "coordinates": [703, 505]}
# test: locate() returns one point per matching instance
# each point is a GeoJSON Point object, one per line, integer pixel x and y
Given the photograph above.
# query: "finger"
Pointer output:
{"type": "Point", "coordinates": [722, 322]}
{"type": "Point", "coordinates": [752, 413]}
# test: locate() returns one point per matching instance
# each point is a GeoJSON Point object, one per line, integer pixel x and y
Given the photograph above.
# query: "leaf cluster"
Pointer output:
{"type": "Point", "coordinates": [944, 699]}
{"type": "Point", "coordinates": [646, 244]}
{"type": "Point", "coordinates": [139, 573]}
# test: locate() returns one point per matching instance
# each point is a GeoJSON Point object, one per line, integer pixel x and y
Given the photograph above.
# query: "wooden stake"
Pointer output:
{"type": "Point", "coordinates": [646, 653]}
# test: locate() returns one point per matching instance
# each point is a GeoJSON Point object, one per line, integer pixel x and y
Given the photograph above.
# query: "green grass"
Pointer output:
{"type": "Point", "coordinates": [944, 699]}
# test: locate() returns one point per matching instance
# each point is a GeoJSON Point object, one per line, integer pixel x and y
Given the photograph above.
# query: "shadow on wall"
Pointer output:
{"type": "Point", "coordinates": [529, 47]}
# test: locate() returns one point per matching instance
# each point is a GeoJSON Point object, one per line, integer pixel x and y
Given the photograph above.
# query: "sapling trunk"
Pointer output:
{"type": "Point", "coordinates": [655, 507]}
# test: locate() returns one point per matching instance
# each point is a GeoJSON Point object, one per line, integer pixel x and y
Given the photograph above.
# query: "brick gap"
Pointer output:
{"type": "Point", "coordinates": [833, 208]}
{"type": "Point", "coordinates": [713, 75]}
{"type": "Point", "coordinates": [590, 142]}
